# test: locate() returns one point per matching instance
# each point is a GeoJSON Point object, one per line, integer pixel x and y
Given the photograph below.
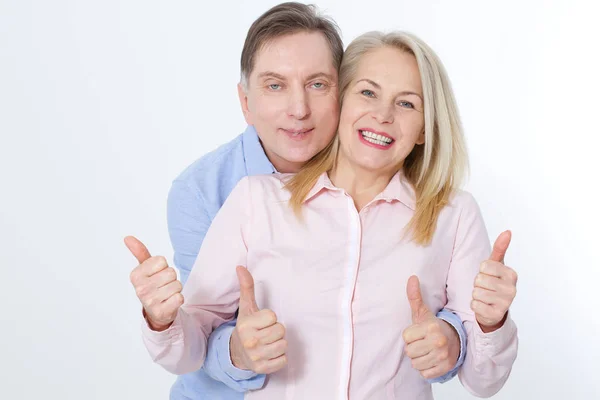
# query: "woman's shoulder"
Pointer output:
{"type": "Point", "coordinates": [267, 186]}
{"type": "Point", "coordinates": [463, 200]}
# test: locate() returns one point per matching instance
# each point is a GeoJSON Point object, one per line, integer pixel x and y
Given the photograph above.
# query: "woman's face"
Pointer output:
{"type": "Point", "coordinates": [382, 113]}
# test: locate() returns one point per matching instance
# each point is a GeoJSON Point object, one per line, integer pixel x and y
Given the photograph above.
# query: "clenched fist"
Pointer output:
{"type": "Point", "coordinates": [257, 342]}
{"type": "Point", "coordinates": [495, 287]}
{"type": "Point", "coordinates": [156, 286]}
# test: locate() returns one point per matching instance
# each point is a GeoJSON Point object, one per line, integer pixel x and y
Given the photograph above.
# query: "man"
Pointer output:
{"type": "Point", "coordinates": [289, 97]}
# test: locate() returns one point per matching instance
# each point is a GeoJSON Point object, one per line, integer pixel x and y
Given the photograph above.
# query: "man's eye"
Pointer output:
{"type": "Point", "coordinates": [318, 85]}
{"type": "Point", "coordinates": [274, 86]}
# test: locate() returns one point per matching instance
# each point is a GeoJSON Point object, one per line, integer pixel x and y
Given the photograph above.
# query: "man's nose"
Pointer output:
{"type": "Point", "coordinates": [298, 104]}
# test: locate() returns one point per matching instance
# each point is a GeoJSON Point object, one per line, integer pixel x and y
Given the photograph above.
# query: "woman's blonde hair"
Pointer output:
{"type": "Point", "coordinates": [436, 168]}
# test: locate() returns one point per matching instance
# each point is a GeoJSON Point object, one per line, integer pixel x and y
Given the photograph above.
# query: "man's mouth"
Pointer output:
{"type": "Point", "coordinates": [297, 132]}
{"type": "Point", "coordinates": [376, 138]}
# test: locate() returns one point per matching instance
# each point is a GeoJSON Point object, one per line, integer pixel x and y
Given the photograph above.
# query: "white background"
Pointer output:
{"type": "Point", "coordinates": [102, 104]}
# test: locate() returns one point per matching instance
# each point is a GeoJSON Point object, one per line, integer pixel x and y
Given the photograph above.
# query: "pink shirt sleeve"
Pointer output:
{"type": "Point", "coordinates": [490, 356]}
{"type": "Point", "coordinates": [211, 294]}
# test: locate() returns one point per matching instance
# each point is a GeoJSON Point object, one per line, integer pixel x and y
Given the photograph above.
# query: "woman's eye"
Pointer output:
{"type": "Point", "coordinates": [368, 93]}
{"type": "Point", "coordinates": [318, 85]}
{"type": "Point", "coordinates": [274, 86]}
{"type": "Point", "coordinates": [406, 104]}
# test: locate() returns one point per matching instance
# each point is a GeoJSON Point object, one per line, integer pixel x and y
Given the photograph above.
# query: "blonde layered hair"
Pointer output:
{"type": "Point", "coordinates": [436, 168]}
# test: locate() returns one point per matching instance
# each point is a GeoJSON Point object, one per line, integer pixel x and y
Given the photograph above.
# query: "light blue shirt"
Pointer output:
{"type": "Point", "coordinates": [195, 197]}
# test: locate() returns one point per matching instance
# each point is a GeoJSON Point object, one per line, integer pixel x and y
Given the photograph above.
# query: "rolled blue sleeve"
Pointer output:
{"type": "Point", "coordinates": [218, 365]}
{"type": "Point", "coordinates": [188, 223]}
{"type": "Point", "coordinates": [457, 324]}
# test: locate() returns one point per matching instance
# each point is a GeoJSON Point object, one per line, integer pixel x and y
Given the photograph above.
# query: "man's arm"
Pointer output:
{"type": "Point", "coordinates": [188, 223]}
{"type": "Point", "coordinates": [457, 325]}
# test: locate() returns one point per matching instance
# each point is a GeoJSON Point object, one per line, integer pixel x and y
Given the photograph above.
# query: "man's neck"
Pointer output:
{"type": "Point", "coordinates": [282, 165]}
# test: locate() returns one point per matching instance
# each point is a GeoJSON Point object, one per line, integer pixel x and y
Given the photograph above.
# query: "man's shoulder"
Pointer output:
{"type": "Point", "coordinates": [215, 166]}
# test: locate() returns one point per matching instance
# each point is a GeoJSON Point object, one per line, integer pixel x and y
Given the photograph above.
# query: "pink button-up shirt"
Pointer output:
{"type": "Point", "coordinates": [337, 281]}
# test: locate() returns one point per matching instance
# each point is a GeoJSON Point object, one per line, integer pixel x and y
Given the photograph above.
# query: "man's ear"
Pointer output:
{"type": "Point", "coordinates": [244, 103]}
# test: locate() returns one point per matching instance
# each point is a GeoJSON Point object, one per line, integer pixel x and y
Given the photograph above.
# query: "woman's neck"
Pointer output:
{"type": "Point", "coordinates": [361, 184]}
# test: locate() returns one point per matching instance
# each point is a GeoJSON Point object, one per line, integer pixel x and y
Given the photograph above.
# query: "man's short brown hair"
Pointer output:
{"type": "Point", "coordinates": [285, 19]}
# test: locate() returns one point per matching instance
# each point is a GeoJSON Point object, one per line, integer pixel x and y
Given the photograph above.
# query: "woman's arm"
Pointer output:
{"type": "Point", "coordinates": [490, 356]}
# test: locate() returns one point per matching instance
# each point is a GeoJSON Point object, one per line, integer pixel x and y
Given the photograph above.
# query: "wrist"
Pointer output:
{"type": "Point", "coordinates": [234, 356]}
{"type": "Point", "coordinates": [453, 340]}
{"type": "Point", "coordinates": [495, 327]}
{"type": "Point", "coordinates": [157, 327]}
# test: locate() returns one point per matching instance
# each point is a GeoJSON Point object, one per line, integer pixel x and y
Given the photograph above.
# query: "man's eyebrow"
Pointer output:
{"type": "Point", "coordinates": [402, 93]}
{"type": "Point", "coordinates": [270, 74]}
{"type": "Point", "coordinates": [320, 75]}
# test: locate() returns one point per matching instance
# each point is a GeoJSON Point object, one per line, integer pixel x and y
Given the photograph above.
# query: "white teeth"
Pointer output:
{"type": "Point", "coordinates": [375, 138]}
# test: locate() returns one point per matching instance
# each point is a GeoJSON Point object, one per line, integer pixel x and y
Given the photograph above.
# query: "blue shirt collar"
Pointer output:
{"type": "Point", "coordinates": [257, 162]}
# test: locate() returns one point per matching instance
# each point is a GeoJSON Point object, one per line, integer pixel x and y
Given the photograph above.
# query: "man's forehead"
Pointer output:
{"type": "Point", "coordinates": [302, 54]}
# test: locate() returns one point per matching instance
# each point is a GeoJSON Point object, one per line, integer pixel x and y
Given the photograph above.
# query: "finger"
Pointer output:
{"type": "Point", "coordinates": [166, 311]}
{"type": "Point", "coordinates": [270, 351]}
{"type": "Point", "coordinates": [482, 309]}
{"type": "Point", "coordinates": [414, 333]}
{"type": "Point", "coordinates": [488, 282]}
{"type": "Point", "coordinates": [259, 320]}
{"type": "Point", "coordinates": [168, 290]}
{"type": "Point", "coordinates": [425, 362]}
{"type": "Point", "coordinates": [153, 265]}
{"type": "Point", "coordinates": [163, 277]}
{"type": "Point", "coordinates": [419, 310]}
{"type": "Point", "coordinates": [248, 304]}
{"type": "Point", "coordinates": [174, 302]}
{"type": "Point", "coordinates": [137, 248]}
{"type": "Point", "coordinates": [271, 366]}
{"type": "Point", "coordinates": [419, 348]}
{"type": "Point", "coordinates": [271, 334]}
{"type": "Point", "coordinates": [498, 270]}
{"type": "Point", "coordinates": [485, 296]}
{"type": "Point", "coordinates": [495, 284]}
{"type": "Point", "coordinates": [435, 372]}
{"type": "Point", "coordinates": [501, 246]}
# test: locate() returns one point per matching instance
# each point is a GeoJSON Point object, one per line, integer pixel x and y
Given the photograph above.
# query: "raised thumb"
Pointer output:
{"type": "Point", "coordinates": [248, 304]}
{"type": "Point", "coordinates": [419, 310]}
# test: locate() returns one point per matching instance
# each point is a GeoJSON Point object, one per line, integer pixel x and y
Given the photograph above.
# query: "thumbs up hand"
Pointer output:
{"type": "Point", "coordinates": [431, 343]}
{"type": "Point", "coordinates": [156, 286]}
{"type": "Point", "coordinates": [495, 287]}
{"type": "Point", "coordinates": [257, 342]}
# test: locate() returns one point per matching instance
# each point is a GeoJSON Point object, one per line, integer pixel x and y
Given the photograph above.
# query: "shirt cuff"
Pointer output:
{"type": "Point", "coordinates": [171, 335]}
{"type": "Point", "coordinates": [221, 340]}
{"type": "Point", "coordinates": [455, 321]}
{"type": "Point", "coordinates": [492, 343]}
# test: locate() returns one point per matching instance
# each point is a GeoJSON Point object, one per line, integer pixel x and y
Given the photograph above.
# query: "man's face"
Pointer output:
{"type": "Point", "coordinates": [291, 98]}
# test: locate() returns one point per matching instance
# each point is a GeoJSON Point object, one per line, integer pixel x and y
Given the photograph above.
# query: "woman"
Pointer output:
{"type": "Point", "coordinates": [332, 248]}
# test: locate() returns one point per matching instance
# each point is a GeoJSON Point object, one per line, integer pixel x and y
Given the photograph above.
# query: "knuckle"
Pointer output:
{"type": "Point", "coordinates": [443, 355]}
{"type": "Point", "coordinates": [160, 261]}
{"type": "Point", "coordinates": [280, 330]}
{"type": "Point", "coordinates": [133, 276]}
{"type": "Point", "coordinates": [442, 341]}
{"type": "Point", "coordinates": [250, 343]}
{"type": "Point", "coordinates": [270, 316]}
{"type": "Point", "coordinates": [284, 360]}
{"type": "Point", "coordinates": [170, 274]}
{"type": "Point", "coordinates": [178, 287]}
